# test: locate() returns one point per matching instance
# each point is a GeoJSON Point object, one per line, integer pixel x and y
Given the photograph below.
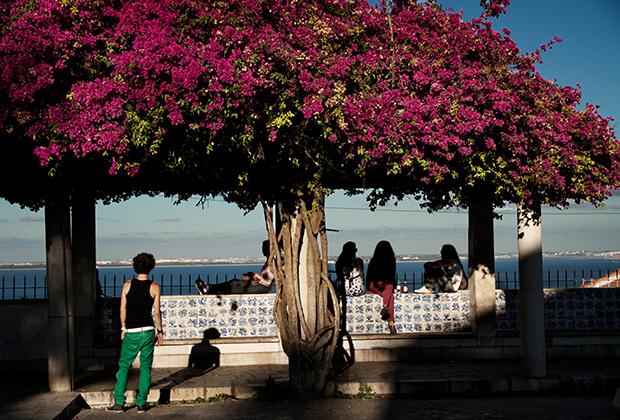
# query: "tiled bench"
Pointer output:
{"type": "Point", "coordinates": [187, 317]}
{"type": "Point", "coordinates": [237, 316]}
{"type": "Point", "coordinates": [240, 329]}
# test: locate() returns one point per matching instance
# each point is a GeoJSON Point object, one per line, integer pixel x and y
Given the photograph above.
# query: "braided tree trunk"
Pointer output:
{"type": "Point", "coordinates": [306, 307]}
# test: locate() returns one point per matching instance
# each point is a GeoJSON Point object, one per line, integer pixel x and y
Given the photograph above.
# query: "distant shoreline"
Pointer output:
{"type": "Point", "coordinates": [128, 265]}
{"type": "Point", "coordinates": [608, 255]}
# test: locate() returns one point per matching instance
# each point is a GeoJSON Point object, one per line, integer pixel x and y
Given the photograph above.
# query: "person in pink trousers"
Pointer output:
{"type": "Point", "coordinates": [381, 280]}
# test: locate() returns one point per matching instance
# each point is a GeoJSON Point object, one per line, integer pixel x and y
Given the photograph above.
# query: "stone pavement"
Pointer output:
{"type": "Point", "coordinates": [592, 381]}
{"type": "Point", "coordinates": [503, 408]}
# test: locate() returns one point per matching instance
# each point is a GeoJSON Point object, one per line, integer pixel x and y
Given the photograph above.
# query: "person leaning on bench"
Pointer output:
{"type": "Point", "coordinates": [250, 282]}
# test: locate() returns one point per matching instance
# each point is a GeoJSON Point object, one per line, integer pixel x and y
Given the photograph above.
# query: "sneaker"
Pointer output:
{"type": "Point", "coordinates": [385, 313]}
{"type": "Point", "coordinates": [424, 289]}
{"type": "Point", "coordinates": [142, 408]}
{"type": "Point", "coordinates": [203, 288]}
{"type": "Point", "coordinates": [116, 408]}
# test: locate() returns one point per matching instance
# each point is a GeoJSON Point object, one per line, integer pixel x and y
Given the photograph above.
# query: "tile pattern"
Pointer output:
{"type": "Point", "coordinates": [565, 309]}
{"type": "Point", "coordinates": [443, 312]}
{"type": "Point", "coordinates": [186, 317]}
{"type": "Point", "coordinates": [252, 315]}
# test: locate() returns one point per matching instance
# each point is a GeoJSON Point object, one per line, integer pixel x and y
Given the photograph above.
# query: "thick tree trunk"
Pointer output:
{"type": "Point", "coordinates": [306, 309]}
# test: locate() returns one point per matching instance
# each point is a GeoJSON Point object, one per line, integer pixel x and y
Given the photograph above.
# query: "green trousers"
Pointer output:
{"type": "Point", "coordinates": [134, 343]}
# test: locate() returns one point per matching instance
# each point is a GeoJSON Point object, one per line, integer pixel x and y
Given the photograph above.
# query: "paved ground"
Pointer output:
{"type": "Point", "coordinates": [491, 389]}
{"type": "Point", "coordinates": [506, 408]}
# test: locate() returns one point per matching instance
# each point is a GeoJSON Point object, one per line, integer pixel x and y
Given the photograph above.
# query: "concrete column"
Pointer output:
{"type": "Point", "coordinates": [60, 341]}
{"type": "Point", "coordinates": [84, 274]}
{"type": "Point", "coordinates": [481, 268]}
{"type": "Point", "coordinates": [481, 235]}
{"type": "Point", "coordinates": [533, 351]}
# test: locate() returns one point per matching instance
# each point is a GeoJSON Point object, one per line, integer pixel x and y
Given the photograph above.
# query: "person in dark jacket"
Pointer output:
{"type": "Point", "coordinates": [140, 298]}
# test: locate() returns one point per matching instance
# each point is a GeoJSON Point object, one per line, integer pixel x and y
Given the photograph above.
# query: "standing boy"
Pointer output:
{"type": "Point", "coordinates": [140, 296]}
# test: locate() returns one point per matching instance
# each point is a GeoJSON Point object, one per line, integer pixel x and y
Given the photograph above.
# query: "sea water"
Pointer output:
{"type": "Point", "coordinates": [179, 280]}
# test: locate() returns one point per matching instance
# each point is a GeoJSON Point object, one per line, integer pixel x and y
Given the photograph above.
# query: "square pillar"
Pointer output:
{"type": "Point", "coordinates": [60, 336]}
{"type": "Point", "coordinates": [84, 272]}
{"type": "Point", "coordinates": [531, 293]}
{"type": "Point", "coordinates": [481, 268]}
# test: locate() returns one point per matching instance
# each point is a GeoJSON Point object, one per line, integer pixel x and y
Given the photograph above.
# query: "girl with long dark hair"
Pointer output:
{"type": "Point", "coordinates": [381, 280]}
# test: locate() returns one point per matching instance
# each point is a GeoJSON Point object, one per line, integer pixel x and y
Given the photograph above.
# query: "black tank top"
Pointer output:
{"type": "Point", "coordinates": [139, 304]}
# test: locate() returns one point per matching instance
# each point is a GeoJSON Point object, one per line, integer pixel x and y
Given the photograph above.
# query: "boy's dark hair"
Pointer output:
{"type": "Point", "coordinates": [143, 263]}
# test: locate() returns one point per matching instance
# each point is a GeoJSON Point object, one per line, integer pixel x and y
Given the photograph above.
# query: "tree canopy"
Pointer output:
{"type": "Point", "coordinates": [247, 95]}
{"type": "Point", "coordinates": [460, 108]}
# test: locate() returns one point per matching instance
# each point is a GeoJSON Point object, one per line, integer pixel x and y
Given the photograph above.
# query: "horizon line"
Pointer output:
{"type": "Point", "coordinates": [245, 260]}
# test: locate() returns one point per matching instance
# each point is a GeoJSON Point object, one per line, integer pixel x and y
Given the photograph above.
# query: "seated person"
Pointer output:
{"type": "Point", "coordinates": [250, 282]}
{"type": "Point", "coordinates": [447, 273]}
{"type": "Point", "coordinates": [350, 271]}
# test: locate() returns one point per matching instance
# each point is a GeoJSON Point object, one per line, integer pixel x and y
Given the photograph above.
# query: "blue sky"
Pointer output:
{"type": "Point", "coordinates": [588, 55]}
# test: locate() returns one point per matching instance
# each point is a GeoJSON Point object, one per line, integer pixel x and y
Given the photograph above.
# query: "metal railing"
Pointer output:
{"type": "Point", "coordinates": [168, 285]}
{"type": "Point", "coordinates": [18, 288]}
{"type": "Point", "coordinates": [559, 279]}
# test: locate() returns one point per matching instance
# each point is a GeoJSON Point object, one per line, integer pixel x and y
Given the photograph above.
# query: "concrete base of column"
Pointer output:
{"type": "Point", "coordinates": [482, 305]}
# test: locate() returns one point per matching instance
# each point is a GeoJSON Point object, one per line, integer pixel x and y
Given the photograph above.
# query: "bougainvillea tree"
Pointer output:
{"type": "Point", "coordinates": [272, 101]}
{"type": "Point", "coordinates": [47, 50]}
{"type": "Point", "coordinates": [194, 86]}
{"type": "Point", "coordinates": [472, 112]}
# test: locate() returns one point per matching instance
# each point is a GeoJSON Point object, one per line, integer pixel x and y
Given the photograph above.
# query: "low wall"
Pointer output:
{"type": "Point", "coordinates": [565, 309]}
{"type": "Point", "coordinates": [234, 316]}
{"type": "Point", "coordinates": [240, 329]}
{"type": "Point", "coordinates": [187, 317]}
{"type": "Point", "coordinates": [23, 341]}
{"type": "Point", "coordinates": [252, 316]}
